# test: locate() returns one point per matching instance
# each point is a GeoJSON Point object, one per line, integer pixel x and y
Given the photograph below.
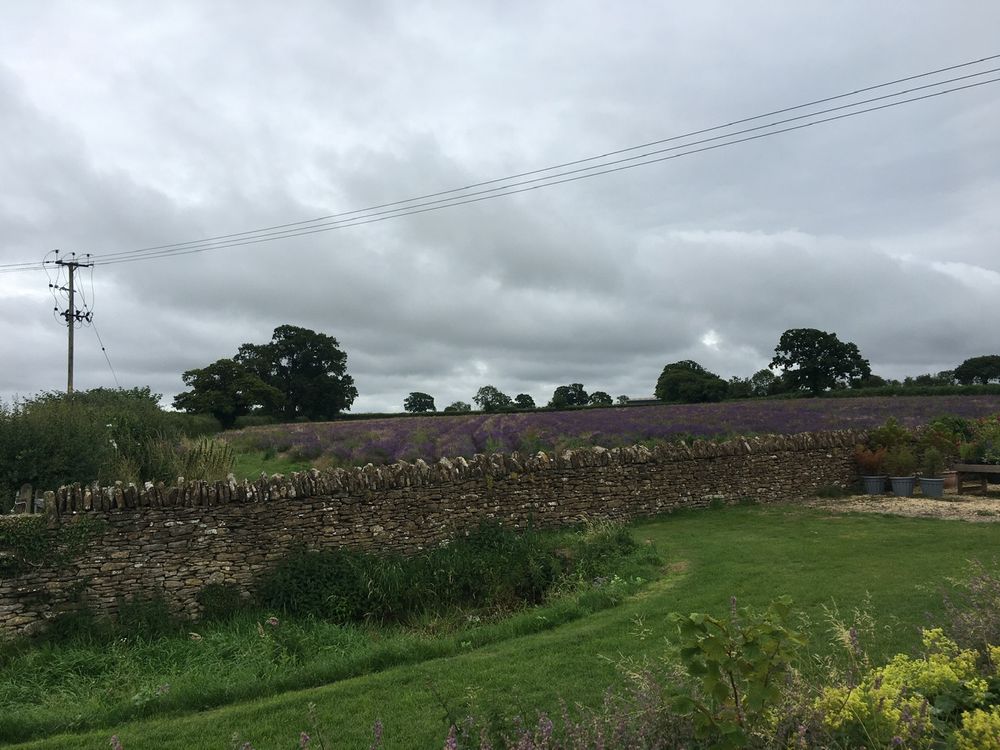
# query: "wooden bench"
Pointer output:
{"type": "Point", "coordinates": [979, 471]}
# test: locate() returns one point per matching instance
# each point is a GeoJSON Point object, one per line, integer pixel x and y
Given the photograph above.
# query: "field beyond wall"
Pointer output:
{"type": "Point", "coordinates": [356, 442]}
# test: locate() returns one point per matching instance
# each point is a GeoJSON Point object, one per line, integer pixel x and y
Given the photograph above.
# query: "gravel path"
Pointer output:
{"type": "Point", "coordinates": [976, 508]}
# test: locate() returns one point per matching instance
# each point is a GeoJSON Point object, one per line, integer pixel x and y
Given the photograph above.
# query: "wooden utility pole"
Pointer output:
{"type": "Point", "coordinates": [71, 314]}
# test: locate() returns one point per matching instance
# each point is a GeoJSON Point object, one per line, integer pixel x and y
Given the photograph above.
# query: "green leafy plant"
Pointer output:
{"type": "Point", "coordinates": [970, 453]}
{"type": "Point", "coordinates": [932, 463]}
{"type": "Point", "coordinates": [220, 601]}
{"type": "Point", "coordinates": [26, 542]}
{"type": "Point", "coordinates": [889, 435]}
{"type": "Point", "coordinates": [737, 666]}
{"type": "Point", "coordinates": [493, 566]}
{"type": "Point", "coordinates": [900, 461]}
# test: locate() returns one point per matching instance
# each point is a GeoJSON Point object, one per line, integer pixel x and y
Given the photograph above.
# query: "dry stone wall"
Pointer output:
{"type": "Point", "coordinates": [173, 541]}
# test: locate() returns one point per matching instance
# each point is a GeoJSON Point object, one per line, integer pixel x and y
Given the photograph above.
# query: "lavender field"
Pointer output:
{"type": "Point", "coordinates": [407, 438]}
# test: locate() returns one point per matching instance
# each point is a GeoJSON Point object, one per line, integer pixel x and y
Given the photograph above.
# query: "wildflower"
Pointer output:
{"type": "Point", "coordinates": [304, 740]}
{"type": "Point", "coordinates": [272, 621]}
{"type": "Point", "coordinates": [116, 744]}
{"type": "Point", "coordinates": [451, 743]}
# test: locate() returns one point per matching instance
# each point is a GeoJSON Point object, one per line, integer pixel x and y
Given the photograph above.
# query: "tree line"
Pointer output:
{"type": "Point", "coordinates": [301, 374]}
{"type": "Point", "coordinates": [492, 399]}
{"type": "Point", "coordinates": [813, 362]}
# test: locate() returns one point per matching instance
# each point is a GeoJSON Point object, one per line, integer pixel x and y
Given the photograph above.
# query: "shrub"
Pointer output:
{"type": "Point", "coordinates": [220, 601]}
{"type": "Point", "coordinates": [870, 461]}
{"type": "Point", "coordinates": [491, 567]}
{"type": "Point", "coordinates": [900, 461]}
{"type": "Point", "coordinates": [932, 463]}
{"type": "Point", "coordinates": [890, 435]}
{"type": "Point", "coordinates": [736, 667]}
{"type": "Point", "coordinates": [972, 608]}
{"type": "Point", "coordinates": [102, 434]}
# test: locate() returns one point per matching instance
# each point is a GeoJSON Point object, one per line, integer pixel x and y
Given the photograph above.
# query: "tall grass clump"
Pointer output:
{"type": "Point", "coordinates": [103, 434]}
{"type": "Point", "coordinates": [493, 566]}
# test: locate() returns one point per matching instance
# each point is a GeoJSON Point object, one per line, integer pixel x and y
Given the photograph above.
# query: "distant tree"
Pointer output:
{"type": "Point", "coordinates": [418, 403]}
{"type": "Point", "coordinates": [226, 390]}
{"type": "Point", "coordinates": [307, 367]}
{"type": "Point", "coordinates": [815, 361]}
{"type": "Point", "coordinates": [600, 398]}
{"type": "Point", "coordinates": [690, 383]}
{"type": "Point", "coordinates": [524, 401]}
{"type": "Point", "coordinates": [945, 377]}
{"type": "Point", "coordinates": [737, 387]}
{"type": "Point", "coordinates": [622, 400]}
{"type": "Point", "coordinates": [489, 398]}
{"type": "Point", "coordinates": [983, 370]}
{"type": "Point", "coordinates": [763, 383]}
{"type": "Point", "coordinates": [569, 395]}
{"type": "Point", "coordinates": [458, 406]}
{"type": "Point", "coordinates": [872, 381]}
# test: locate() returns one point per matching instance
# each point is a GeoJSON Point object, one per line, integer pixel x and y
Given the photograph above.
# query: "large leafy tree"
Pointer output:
{"type": "Point", "coordinates": [690, 383]}
{"type": "Point", "coordinates": [569, 395]}
{"type": "Point", "coordinates": [418, 403]}
{"type": "Point", "coordinates": [524, 401]}
{"type": "Point", "coordinates": [814, 360]}
{"type": "Point", "coordinates": [490, 398]}
{"type": "Point", "coordinates": [600, 398]}
{"type": "Point", "coordinates": [308, 368]}
{"type": "Point", "coordinates": [226, 389]}
{"type": "Point", "coordinates": [979, 370]}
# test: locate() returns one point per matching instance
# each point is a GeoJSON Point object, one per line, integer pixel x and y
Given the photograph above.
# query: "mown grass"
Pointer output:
{"type": "Point", "coordinates": [754, 553]}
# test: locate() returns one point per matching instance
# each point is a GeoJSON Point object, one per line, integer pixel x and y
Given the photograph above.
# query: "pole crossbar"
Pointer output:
{"type": "Point", "coordinates": [72, 315]}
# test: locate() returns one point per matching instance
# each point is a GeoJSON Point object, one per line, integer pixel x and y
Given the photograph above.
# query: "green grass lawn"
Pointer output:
{"type": "Point", "coordinates": [250, 464]}
{"type": "Point", "coordinates": [753, 553]}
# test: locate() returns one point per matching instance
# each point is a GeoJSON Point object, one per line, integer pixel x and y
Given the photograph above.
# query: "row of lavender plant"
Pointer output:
{"type": "Point", "coordinates": [429, 438]}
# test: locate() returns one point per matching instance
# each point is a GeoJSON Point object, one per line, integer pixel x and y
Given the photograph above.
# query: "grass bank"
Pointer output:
{"type": "Point", "coordinates": [755, 554]}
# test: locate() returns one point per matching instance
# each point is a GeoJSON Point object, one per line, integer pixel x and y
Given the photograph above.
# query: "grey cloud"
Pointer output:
{"type": "Point", "coordinates": [189, 120]}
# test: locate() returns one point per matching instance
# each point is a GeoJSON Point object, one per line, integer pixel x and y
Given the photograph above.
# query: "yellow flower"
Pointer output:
{"type": "Point", "coordinates": [980, 730]}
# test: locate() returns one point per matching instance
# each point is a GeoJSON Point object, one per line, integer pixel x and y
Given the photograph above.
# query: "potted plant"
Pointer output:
{"type": "Point", "coordinates": [931, 479]}
{"type": "Point", "coordinates": [869, 461]}
{"type": "Point", "coordinates": [901, 464]}
{"type": "Point", "coordinates": [970, 453]}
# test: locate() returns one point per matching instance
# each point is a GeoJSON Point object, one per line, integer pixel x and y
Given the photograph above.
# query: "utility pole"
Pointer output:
{"type": "Point", "coordinates": [71, 314]}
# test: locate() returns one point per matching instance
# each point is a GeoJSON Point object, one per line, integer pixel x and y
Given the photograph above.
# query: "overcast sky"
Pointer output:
{"type": "Point", "coordinates": [130, 124]}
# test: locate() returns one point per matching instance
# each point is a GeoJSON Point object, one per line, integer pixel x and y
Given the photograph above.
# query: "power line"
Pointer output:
{"type": "Point", "coordinates": [462, 195]}
{"type": "Point", "coordinates": [106, 357]}
{"type": "Point", "coordinates": [579, 161]}
{"type": "Point", "coordinates": [512, 190]}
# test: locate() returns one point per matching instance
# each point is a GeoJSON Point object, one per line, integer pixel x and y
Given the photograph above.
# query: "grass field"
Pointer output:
{"type": "Point", "coordinates": [754, 553]}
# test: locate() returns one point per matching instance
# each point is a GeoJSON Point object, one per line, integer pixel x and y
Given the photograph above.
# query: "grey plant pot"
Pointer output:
{"type": "Point", "coordinates": [874, 485]}
{"type": "Point", "coordinates": [903, 486]}
{"type": "Point", "coordinates": [932, 487]}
